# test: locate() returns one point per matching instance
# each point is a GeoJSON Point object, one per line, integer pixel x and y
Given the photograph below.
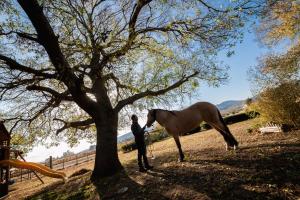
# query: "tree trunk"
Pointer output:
{"type": "Point", "coordinates": [107, 161]}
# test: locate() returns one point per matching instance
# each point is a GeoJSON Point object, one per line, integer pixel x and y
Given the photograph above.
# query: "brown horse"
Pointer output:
{"type": "Point", "coordinates": [180, 122]}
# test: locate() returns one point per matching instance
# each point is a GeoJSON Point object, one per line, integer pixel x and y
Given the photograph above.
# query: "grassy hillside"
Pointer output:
{"type": "Point", "coordinates": [265, 167]}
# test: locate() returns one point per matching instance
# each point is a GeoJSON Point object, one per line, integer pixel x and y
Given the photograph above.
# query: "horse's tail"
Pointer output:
{"type": "Point", "coordinates": [229, 138]}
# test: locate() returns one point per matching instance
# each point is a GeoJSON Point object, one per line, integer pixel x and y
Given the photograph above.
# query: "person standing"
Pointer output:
{"type": "Point", "coordinates": [138, 133]}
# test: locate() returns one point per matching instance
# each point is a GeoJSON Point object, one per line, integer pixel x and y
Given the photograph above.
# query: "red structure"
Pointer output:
{"type": "Point", "coordinates": [4, 155]}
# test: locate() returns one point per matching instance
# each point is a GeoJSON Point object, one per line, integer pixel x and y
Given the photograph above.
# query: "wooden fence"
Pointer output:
{"type": "Point", "coordinates": [56, 164]}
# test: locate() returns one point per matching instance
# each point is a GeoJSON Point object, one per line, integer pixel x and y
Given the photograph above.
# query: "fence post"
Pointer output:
{"type": "Point", "coordinates": [63, 163]}
{"type": "Point", "coordinates": [50, 162]}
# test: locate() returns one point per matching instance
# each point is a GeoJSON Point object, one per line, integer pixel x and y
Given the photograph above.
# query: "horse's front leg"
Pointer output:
{"type": "Point", "coordinates": [181, 155]}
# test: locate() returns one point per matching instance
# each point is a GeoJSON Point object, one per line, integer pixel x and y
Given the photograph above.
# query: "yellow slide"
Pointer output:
{"type": "Point", "coordinates": [34, 166]}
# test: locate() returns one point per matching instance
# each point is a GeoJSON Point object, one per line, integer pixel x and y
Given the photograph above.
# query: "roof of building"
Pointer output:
{"type": "Point", "coordinates": [4, 134]}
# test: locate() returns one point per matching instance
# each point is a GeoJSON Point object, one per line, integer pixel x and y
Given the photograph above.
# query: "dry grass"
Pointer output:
{"type": "Point", "coordinates": [265, 167]}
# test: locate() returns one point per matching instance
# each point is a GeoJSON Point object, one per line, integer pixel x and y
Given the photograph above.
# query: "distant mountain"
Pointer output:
{"type": "Point", "coordinates": [230, 103]}
{"type": "Point", "coordinates": [231, 106]}
{"type": "Point", "coordinates": [125, 137]}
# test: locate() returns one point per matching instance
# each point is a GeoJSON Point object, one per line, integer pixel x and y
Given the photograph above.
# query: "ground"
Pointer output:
{"type": "Point", "coordinates": [264, 167]}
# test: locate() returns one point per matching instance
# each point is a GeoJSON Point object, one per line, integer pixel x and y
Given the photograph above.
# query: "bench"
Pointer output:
{"type": "Point", "coordinates": [271, 128]}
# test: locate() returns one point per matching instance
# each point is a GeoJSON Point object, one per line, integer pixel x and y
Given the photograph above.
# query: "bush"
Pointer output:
{"type": "Point", "coordinates": [204, 126]}
{"type": "Point", "coordinates": [129, 146]}
{"type": "Point", "coordinates": [157, 136]}
{"type": "Point", "coordinates": [254, 127]}
{"type": "Point", "coordinates": [237, 118]}
{"type": "Point", "coordinates": [250, 130]}
{"type": "Point", "coordinates": [253, 114]}
{"type": "Point", "coordinates": [280, 104]}
{"type": "Point", "coordinates": [196, 130]}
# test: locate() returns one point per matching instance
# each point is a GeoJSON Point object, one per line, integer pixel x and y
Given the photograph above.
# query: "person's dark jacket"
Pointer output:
{"type": "Point", "coordinates": [138, 132]}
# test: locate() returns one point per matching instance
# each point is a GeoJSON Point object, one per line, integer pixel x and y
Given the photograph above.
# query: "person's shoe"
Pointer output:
{"type": "Point", "coordinates": [149, 167]}
{"type": "Point", "coordinates": [142, 169]}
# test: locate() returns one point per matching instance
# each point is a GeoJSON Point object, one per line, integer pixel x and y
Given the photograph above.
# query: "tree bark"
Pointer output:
{"type": "Point", "coordinates": [107, 161]}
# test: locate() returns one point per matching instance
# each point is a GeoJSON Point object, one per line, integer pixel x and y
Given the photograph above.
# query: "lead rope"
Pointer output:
{"type": "Point", "coordinates": [150, 146]}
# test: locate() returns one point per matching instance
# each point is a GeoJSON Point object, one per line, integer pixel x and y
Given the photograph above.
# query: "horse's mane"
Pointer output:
{"type": "Point", "coordinates": [169, 111]}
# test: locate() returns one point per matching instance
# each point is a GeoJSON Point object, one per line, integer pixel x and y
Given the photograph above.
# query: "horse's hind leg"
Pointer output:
{"type": "Point", "coordinates": [222, 125]}
{"type": "Point", "coordinates": [228, 137]}
{"type": "Point", "coordinates": [221, 132]}
{"type": "Point", "coordinates": [232, 141]}
{"type": "Point", "coordinates": [177, 141]}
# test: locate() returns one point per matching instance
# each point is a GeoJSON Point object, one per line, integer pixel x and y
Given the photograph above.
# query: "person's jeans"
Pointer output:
{"type": "Point", "coordinates": [142, 155]}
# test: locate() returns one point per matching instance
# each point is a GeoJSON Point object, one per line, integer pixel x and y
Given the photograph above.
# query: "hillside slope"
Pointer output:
{"type": "Point", "coordinates": [231, 106]}
{"type": "Point", "coordinates": [265, 167]}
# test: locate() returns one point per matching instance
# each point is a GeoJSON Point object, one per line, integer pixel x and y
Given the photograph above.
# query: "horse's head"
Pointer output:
{"type": "Point", "coordinates": [151, 117]}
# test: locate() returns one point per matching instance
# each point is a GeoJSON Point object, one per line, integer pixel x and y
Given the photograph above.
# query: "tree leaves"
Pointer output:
{"type": "Point", "coordinates": [132, 47]}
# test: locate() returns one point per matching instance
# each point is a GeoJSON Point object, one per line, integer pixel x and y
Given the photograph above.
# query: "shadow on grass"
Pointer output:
{"type": "Point", "coordinates": [255, 172]}
{"type": "Point", "coordinates": [122, 187]}
{"type": "Point", "coordinates": [247, 174]}
{"type": "Point", "coordinates": [273, 145]}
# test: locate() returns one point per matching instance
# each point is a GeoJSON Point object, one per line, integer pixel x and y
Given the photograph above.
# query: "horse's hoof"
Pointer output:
{"type": "Point", "coordinates": [228, 148]}
{"type": "Point", "coordinates": [180, 160]}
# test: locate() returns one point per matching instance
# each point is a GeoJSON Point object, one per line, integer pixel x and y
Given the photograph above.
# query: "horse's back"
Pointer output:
{"type": "Point", "coordinates": [206, 110]}
{"type": "Point", "coordinates": [202, 106]}
{"type": "Point", "coordinates": [189, 118]}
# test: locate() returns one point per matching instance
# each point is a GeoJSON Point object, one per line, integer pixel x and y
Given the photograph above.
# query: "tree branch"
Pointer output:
{"type": "Point", "coordinates": [45, 33]}
{"type": "Point", "coordinates": [14, 84]}
{"type": "Point", "coordinates": [209, 7]}
{"type": "Point", "coordinates": [242, 6]}
{"type": "Point", "coordinates": [61, 96]}
{"type": "Point", "coordinates": [49, 104]}
{"type": "Point", "coordinates": [132, 33]}
{"type": "Point", "coordinates": [50, 42]}
{"type": "Point", "coordinates": [138, 96]}
{"type": "Point", "coordinates": [14, 65]}
{"type": "Point", "coordinates": [24, 35]}
{"type": "Point", "coordinates": [76, 124]}
{"type": "Point", "coordinates": [111, 76]}
{"type": "Point", "coordinates": [28, 36]}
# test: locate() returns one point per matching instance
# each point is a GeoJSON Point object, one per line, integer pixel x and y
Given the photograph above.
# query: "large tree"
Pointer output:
{"type": "Point", "coordinates": [72, 66]}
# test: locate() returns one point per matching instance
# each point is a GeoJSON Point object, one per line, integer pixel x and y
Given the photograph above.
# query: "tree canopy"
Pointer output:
{"type": "Point", "coordinates": [53, 54]}
{"type": "Point", "coordinates": [277, 77]}
{"type": "Point", "coordinates": [280, 20]}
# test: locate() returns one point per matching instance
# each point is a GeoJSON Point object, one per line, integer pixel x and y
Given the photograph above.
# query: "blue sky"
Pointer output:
{"type": "Point", "coordinates": [237, 87]}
